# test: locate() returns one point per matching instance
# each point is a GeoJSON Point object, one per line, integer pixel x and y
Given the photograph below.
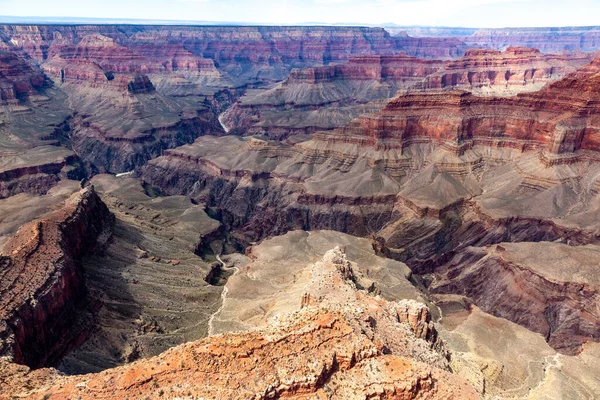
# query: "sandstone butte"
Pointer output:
{"type": "Point", "coordinates": [364, 347]}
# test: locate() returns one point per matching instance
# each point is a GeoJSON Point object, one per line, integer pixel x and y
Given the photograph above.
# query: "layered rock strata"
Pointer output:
{"type": "Point", "coordinates": [148, 282]}
{"type": "Point", "coordinates": [428, 176]}
{"type": "Point", "coordinates": [42, 284]}
{"type": "Point", "coordinates": [317, 98]}
{"type": "Point", "coordinates": [355, 350]}
{"type": "Point", "coordinates": [506, 73]}
{"type": "Point", "coordinates": [18, 79]}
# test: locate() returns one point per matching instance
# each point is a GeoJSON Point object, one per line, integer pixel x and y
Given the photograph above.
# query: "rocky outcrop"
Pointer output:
{"type": "Point", "coordinates": [350, 350]}
{"type": "Point", "coordinates": [42, 281]}
{"type": "Point", "coordinates": [250, 52]}
{"type": "Point", "coordinates": [309, 353]}
{"type": "Point", "coordinates": [111, 152]}
{"type": "Point", "coordinates": [38, 171]}
{"type": "Point", "coordinates": [431, 47]}
{"type": "Point", "coordinates": [18, 79]}
{"type": "Point", "coordinates": [536, 285]}
{"type": "Point", "coordinates": [428, 176]}
{"type": "Point", "coordinates": [140, 84]}
{"type": "Point", "coordinates": [344, 89]}
{"type": "Point", "coordinates": [560, 119]}
{"type": "Point", "coordinates": [148, 280]}
{"type": "Point", "coordinates": [515, 70]}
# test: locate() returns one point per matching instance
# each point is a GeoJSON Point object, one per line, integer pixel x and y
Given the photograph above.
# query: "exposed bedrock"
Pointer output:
{"type": "Point", "coordinates": [331, 96]}
{"type": "Point", "coordinates": [431, 47]}
{"type": "Point", "coordinates": [18, 79]}
{"type": "Point", "coordinates": [425, 181]}
{"type": "Point", "coordinates": [114, 153]}
{"type": "Point", "coordinates": [507, 73]}
{"type": "Point", "coordinates": [332, 340]}
{"type": "Point", "coordinates": [528, 283]}
{"type": "Point", "coordinates": [243, 54]}
{"type": "Point", "coordinates": [326, 97]}
{"type": "Point", "coordinates": [148, 281]}
{"type": "Point", "coordinates": [560, 119]}
{"type": "Point", "coordinates": [42, 288]}
{"type": "Point", "coordinates": [38, 179]}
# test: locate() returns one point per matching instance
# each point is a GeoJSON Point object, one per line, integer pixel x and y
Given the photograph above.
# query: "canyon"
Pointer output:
{"type": "Point", "coordinates": [303, 212]}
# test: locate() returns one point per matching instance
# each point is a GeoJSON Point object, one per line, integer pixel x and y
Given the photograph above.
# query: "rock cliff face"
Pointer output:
{"type": "Point", "coordinates": [42, 281]}
{"type": "Point", "coordinates": [429, 175]}
{"type": "Point", "coordinates": [317, 98]}
{"type": "Point", "coordinates": [18, 79]}
{"type": "Point", "coordinates": [238, 51]}
{"type": "Point", "coordinates": [547, 287]}
{"type": "Point", "coordinates": [328, 97]}
{"type": "Point", "coordinates": [478, 182]}
{"type": "Point", "coordinates": [515, 70]}
{"type": "Point", "coordinates": [432, 47]}
{"type": "Point", "coordinates": [366, 348]}
{"type": "Point", "coordinates": [560, 119]}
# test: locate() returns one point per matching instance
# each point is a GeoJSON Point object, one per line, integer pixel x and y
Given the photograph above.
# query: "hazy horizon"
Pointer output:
{"type": "Point", "coordinates": [417, 13]}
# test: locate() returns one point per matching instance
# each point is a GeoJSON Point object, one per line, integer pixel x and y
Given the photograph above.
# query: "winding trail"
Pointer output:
{"type": "Point", "coordinates": [223, 295]}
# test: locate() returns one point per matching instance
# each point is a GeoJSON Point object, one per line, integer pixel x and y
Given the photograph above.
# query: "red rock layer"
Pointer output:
{"type": "Point", "coordinates": [224, 45]}
{"type": "Point", "coordinates": [40, 281]}
{"type": "Point", "coordinates": [369, 68]}
{"type": "Point", "coordinates": [363, 347]}
{"type": "Point", "coordinates": [516, 66]}
{"type": "Point", "coordinates": [17, 78]}
{"type": "Point", "coordinates": [319, 355]}
{"type": "Point", "coordinates": [431, 47]}
{"type": "Point", "coordinates": [562, 118]}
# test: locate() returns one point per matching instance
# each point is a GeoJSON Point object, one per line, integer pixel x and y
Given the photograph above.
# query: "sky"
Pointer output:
{"type": "Point", "coordinates": [465, 13]}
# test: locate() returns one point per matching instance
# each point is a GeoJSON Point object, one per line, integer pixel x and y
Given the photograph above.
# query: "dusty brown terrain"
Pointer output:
{"type": "Point", "coordinates": [428, 176]}
{"type": "Point", "coordinates": [149, 281]}
{"type": "Point", "coordinates": [218, 263]}
{"type": "Point", "coordinates": [350, 346]}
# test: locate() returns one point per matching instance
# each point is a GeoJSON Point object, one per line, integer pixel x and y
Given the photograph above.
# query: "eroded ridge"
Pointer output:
{"type": "Point", "coordinates": [41, 282]}
{"type": "Point", "coordinates": [363, 348]}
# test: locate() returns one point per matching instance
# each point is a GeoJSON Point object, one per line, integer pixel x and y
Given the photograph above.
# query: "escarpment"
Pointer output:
{"type": "Point", "coordinates": [505, 73]}
{"type": "Point", "coordinates": [18, 80]}
{"type": "Point", "coordinates": [230, 167]}
{"type": "Point", "coordinates": [316, 98]}
{"type": "Point", "coordinates": [42, 285]}
{"type": "Point", "coordinates": [549, 288]}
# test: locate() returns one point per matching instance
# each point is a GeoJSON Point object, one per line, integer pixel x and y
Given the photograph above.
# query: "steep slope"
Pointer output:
{"type": "Point", "coordinates": [507, 73]}
{"type": "Point", "coordinates": [42, 284]}
{"type": "Point", "coordinates": [148, 284]}
{"type": "Point", "coordinates": [360, 349]}
{"type": "Point", "coordinates": [326, 97]}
